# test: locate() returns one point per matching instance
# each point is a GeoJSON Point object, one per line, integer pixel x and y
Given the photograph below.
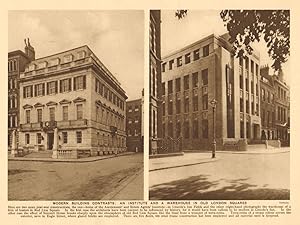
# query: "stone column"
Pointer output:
{"type": "Point", "coordinates": [14, 151]}
{"type": "Point", "coordinates": [55, 144]}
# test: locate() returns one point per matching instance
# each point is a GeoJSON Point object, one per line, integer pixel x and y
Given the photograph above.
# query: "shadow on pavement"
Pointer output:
{"type": "Point", "coordinates": [200, 188]}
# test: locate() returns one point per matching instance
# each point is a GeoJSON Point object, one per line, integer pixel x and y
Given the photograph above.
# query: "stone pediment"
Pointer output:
{"type": "Point", "coordinates": [79, 99]}
{"type": "Point", "coordinates": [27, 106]}
{"type": "Point", "coordinates": [64, 101]}
{"type": "Point", "coordinates": [51, 103]}
{"type": "Point", "coordinates": [38, 105]}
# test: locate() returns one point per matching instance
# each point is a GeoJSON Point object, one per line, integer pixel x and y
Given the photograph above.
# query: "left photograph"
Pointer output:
{"type": "Point", "coordinates": [75, 105]}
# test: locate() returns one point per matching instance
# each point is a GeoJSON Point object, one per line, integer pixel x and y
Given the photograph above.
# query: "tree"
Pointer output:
{"type": "Point", "coordinates": [247, 26]}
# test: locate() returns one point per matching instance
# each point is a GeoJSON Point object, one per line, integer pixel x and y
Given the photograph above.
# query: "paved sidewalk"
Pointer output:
{"type": "Point", "coordinates": [180, 161]}
{"type": "Point", "coordinates": [80, 160]}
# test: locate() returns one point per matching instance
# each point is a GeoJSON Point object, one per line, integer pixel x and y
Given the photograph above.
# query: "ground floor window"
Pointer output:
{"type": "Point", "coordinates": [79, 137]}
{"type": "Point", "coordinates": [27, 139]}
{"type": "Point", "coordinates": [205, 128]}
{"type": "Point", "coordinates": [39, 138]}
{"type": "Point", "coordinates": [242, 133]}
{"type": "Point", "coordinates": [65, 137]}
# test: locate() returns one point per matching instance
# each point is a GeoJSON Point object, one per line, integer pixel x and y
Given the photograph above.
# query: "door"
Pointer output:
{"type": "Point", "coordinates": [50, 141]}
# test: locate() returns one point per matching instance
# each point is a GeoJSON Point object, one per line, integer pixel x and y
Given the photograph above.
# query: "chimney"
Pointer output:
{"type": "Point", "coordinates": [29, 50]}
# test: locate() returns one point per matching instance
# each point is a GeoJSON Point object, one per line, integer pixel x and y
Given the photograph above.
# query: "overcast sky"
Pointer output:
{"type": "Point", "coordinates": [116, 37]}
{"type": "Point", "coordinates": [196, 25]}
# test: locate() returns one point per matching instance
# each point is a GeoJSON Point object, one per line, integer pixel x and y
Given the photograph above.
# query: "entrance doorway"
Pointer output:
{"type": "Point", "coordinates": [255, 131]}
{"type": "Point", "coordinates": [50, 141]}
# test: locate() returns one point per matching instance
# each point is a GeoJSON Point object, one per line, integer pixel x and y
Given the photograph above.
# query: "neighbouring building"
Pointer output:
{"type": "Point", "coordinates": [72, 105]}
{"type": "Point", "coordinates": [17, 61]}
{"type": "Point", "coordinates": [155, 113]}
{"type": "Point", "coordinates": [275, 99]}
{"type": "Point", "coordinates": [134, 125]}
{"type": "Point", "coordinates": [204, 71]}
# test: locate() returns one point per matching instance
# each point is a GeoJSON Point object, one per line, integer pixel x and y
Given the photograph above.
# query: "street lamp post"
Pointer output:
{"type": "Point", "coordinates": [214, 143]}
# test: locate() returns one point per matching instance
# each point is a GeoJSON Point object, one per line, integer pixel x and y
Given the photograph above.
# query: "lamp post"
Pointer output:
{"type": "Point", "coordinates": [214, 143]}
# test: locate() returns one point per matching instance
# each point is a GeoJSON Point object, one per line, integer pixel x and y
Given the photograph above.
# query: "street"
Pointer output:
{"type": "Point", "coordinates": [77, 181]}
{"type": "Point", "coordinates": [231, 176]}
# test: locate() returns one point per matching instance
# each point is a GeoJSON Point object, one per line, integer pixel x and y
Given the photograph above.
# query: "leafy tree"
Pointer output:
{"type": "Point", "coordinates": [248, 26]}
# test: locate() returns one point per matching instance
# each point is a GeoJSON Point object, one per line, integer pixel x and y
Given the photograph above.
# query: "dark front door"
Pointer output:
{"type": "Point", "coordinates": [50, 140]}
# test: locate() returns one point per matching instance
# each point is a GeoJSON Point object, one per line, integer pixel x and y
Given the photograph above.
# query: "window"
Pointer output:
{"type": "Point", "coordinates": [177, 84]}
{"type": "Point", "coordinates": [196, 54]}
{"type": "Point", "coordinates": [195, 79]}
{"type": "Point", "coordinates": [195, 103]}
{"type": "Point", "coordinates": [241, 82]}
{"type": "Point", "coordinates": [79, 137]}
{"type": "Point", "coordinates": [39, 138]}
{"type": "Point", "coordinates": [205, 50]}
{"type": "Point", "coordinates": [52, 113]}
{"type": "Point", "coordinates": [65, 137]}
{"type": "Point", "coordinates": [247, 84]}
{"type": "Point", "coordinates": [163, 67]}
{"type": "Point", "coordinates": [39, 89]}
{"type": "Point", "coordinates": [242, 132]}
{"type": "Point", "coordinates": [205, 128]}
{"type": "Point", "coordinates": [51, 87]}
{"type": "Point", "coordinates": [205, 102]}
{"type": "Point", "coordinates": [178, 129]}
{"type": "Point", "coordinates": [170, 129]}
{"type": "Point", "coordinates": [136, 109]}
{"type": "Point", "coordinates": [179, 61]}
{"type": "Point", "coordinates": [252, 87]}
{"type": "Point", "coordinates": [256, 69]}
{"type": "Point", "coordinates": [205, 77]}
{"type": "Point", "coordinates": [27, 116]}
{"type": "Point", "coordinates": [252, 67]}
{"type": "Point", "coordinates": [39, 115]}
{"type": "Point", "coordinates": [170, 87]}
{"type": "Point", "coordinates": [163, 88]}
{"type": "Point", "coordinates": [186, 82]}
{"type": "Point", "coordinates": [79, 83]}
{"type": "Point", "coordinates": [170, 108]}
{"type": "Point", "coordinates": [65, 85]}
{"type": "Point", "coordinates": [186, 129]}
{"type": "Point", "coordinates": [79, 111]}
{"type": "Point", "coordinates": [269, 96]}
{"type": "Point", "coordinates": [263, 94]}
{"type": "Point", "coordinates": [27, 139]}
{"type": "Point", "coordinates": [195, 129]}
{"type": "Point", "coordinates": [178, 106]}
{"type": "Point", "coordinates": [241, 105]}
{"type": "Point", "coordinates": [27, 91]}
{"type": "Point", "coordinates": [171, 62]}
{"type": "Point", "coordinates": [186, 105]}
{"type": "Point", "coordinates": [256, 89]}
{"type": "Point", "coordinates": [187, 58]}
{"type": "Point", "coordinates": [65, 113]}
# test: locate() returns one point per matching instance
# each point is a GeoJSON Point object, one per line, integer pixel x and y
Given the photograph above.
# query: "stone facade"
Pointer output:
{"type": "Point", "coordinates": [17, 61]}
{"type": "Point", "coordinates": [71, 104]}
{"type": "Point", "coordinates": [134, 125]}
{"type": "Point", "coordinates": [155, 113]}
{"type": "Point", "coordinates": [195, 75]}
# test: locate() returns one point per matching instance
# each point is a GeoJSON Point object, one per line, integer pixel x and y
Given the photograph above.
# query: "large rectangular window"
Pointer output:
{"type": "Point", "coordinates": [65, 137]}
{"type": "Point", "coordinates": [195, 103]}
{"type": "Point", "coordinates": [187, 58]}
{"type": "Point", "coordinates": [79, 111]}
{"type": "Point", "coordinates": [52, 113]}
{"type": "Point", "coordinates": [39, 89]}
{"type": "Point", "coordinates": [186, 129]}
{"type": "Point", "coordinates": [27, 116]}
{"type": "Point", "coordinates": [65, 85]}
{"type": "Point", "coordinates": [52, 87]}
{"type": "Point", "coordinates": [39, 115]}
{"type": "Point", "coordinates": [195, 79]}
{"type": "Point", "coordinates": [164, 108]}
{"type": "Point", "coordinates": [186, 105]}
{"type": "Point", "coordinates": [177, 84]}
{"type": "Point", "coordinates": [79, 83]}
{"type": "Point", "coordinates": [65, 112]}
{"type": "Point", "coordinates": [78, 137]}
{"type": "Point", "coordinates": [205, 128]}
{"type": "Point", "coordinates": [170, 87]}
{"type": "Point", "coordinates": [205, 50]}
{"type": "Point", "coordinates": [205, 102]}
{"type": "Point", "coordinates": [205, 77]}
{"type": "Point", "coordinates": [186, 82]}
{"type": "Point", "coordinates": [27, 91]}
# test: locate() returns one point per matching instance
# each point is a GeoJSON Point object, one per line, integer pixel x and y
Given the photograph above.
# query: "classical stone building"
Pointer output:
{"type": "Point", "coordinates": [134, 125]}
{"type": "Point", "coordinates": [275, 104]}
{"type": "Point", "coordinates": [155, 113]}
{"type": "Point", "coordinates": [72, 105]}
{"type": "Point", "coordinates": [17, 61]}
{"type": "Point", "coordinates": [199, 73]}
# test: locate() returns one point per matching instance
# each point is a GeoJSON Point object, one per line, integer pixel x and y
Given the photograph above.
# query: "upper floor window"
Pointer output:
{"type": "Point", "coordinates": [79, 111]}
{"type": "Point", "coordinates": [205, 50]}
{"type": "Point", "coordinates": [195, 79]}
{"type": "Point", "coordinates": [52, 114]}
{"type": "Point", "coordinates": [179, 61]}
{"type": "Point", "coordinates": [79, 83]}
{"type": "Point", "coordinates": [171, 62]}
{"type": "Point", "coordinates": [52, 87]}
{"type": "Point", "coordinates": [205, 77]}
{"type": "Point", "coordinates": [27, 116]}
{"type": "Point", "coordinates": [27, 91]}
{"type": "Point", "coordinates": [196, 54]}
{"type": "Point", "coordinates": [80, 55]}
{"type": "Point", "coordinates": [186, 82]}
{"type": "Point", "coordinates": [163, 67]}
{"type": "Point", "coordinates": [39, 89]}
{"type": "Point", "coordinates": [65, 85]}
{"type": "Point", "coordinates": [187, 58]}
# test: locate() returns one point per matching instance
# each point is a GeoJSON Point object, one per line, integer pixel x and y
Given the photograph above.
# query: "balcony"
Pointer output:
{"type": "Point", "coordinates": [30, 126]}
{"type": "Point", "coordinates": [72, 124]}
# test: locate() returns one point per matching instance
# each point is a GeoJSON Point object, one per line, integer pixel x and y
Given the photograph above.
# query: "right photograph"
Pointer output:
{"type": "Point", "coordinates": [219, 105]}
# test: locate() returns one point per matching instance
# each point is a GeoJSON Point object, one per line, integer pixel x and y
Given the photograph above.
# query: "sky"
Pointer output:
{"type": "Point", "coordinates": [176, 34]}
{"type": "Point", "coordinates": [116, 38]}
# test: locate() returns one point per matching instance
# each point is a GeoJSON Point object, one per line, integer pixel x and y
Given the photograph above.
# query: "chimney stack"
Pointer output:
{"type": "Point", "coordinates": [29, 50]}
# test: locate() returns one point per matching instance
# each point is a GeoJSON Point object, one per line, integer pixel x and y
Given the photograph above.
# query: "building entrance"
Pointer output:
{"type": "Point", "coordinates": [50, 139]}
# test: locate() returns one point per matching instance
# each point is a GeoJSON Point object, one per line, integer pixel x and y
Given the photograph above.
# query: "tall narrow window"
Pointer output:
{"type": "Point", "coordinates": [79, 111]}
{"type": "Point", "coordinates": [27, 139]}
{"type": "Point", "coordinates": [205, 50]}
{"type": "Point", "coordinates": [177, 84]}
{"type": "Point", "coordinates": [79, 137]}
{"type": "Point", "coordinates": [205, 77]}
{"type": "Point", "coordinates": [65, 137]}
{"type": "Point", "coordinates": [170, 87]}
{"type": "Point", "coordinates": [178, 106]}
{"type": "Point", "coordinates": [205, 128]}
{"type": "Point", "coordinates": [186, 129]}
{"type": "Point", "coordinates": [79, 83]}
{"type": "Point", "coordinates": [196, 54]}
{"type": "Point", "coordinates": [186, 105]}
{"type": "Point", "coordinates": [195, 79]}
{"type": "Point", "coordinates": [205, 102]}
{"type": "Point", "coordinates": [65, 85]}
{"type": "Point", "coordinates": [39, 115]}
{"type": "Point", "coordinates": [27, 112]}
{"type": "Point", "coordinates": [195, 103]}
{"type": "Point", "coordinates": [186, 82]}
{"type": "Point", "coordinates": [65, 113]}
{"type": "Point", "coordinates": [52, 113]}
{"type": "Point", "coordinates": [195, 129]}
{"type": "Point", "coordinates": [51, 87]}
{"type": "Point", "coordinates": [39, 138]}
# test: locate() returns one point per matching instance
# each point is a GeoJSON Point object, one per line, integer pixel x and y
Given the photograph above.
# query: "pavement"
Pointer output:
{"type": "Point", "coordinates": [250, 175]}
{"type": "Point", "coordinates": [79, 160]}
{"type": "Point", "coordinates": [39, 180]}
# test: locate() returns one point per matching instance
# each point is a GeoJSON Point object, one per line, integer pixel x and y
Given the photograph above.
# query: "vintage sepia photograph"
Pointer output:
{"type": "Point", "coordinates": [75, 100]}
{"type": "Point", "coordinates": [219, 105]}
